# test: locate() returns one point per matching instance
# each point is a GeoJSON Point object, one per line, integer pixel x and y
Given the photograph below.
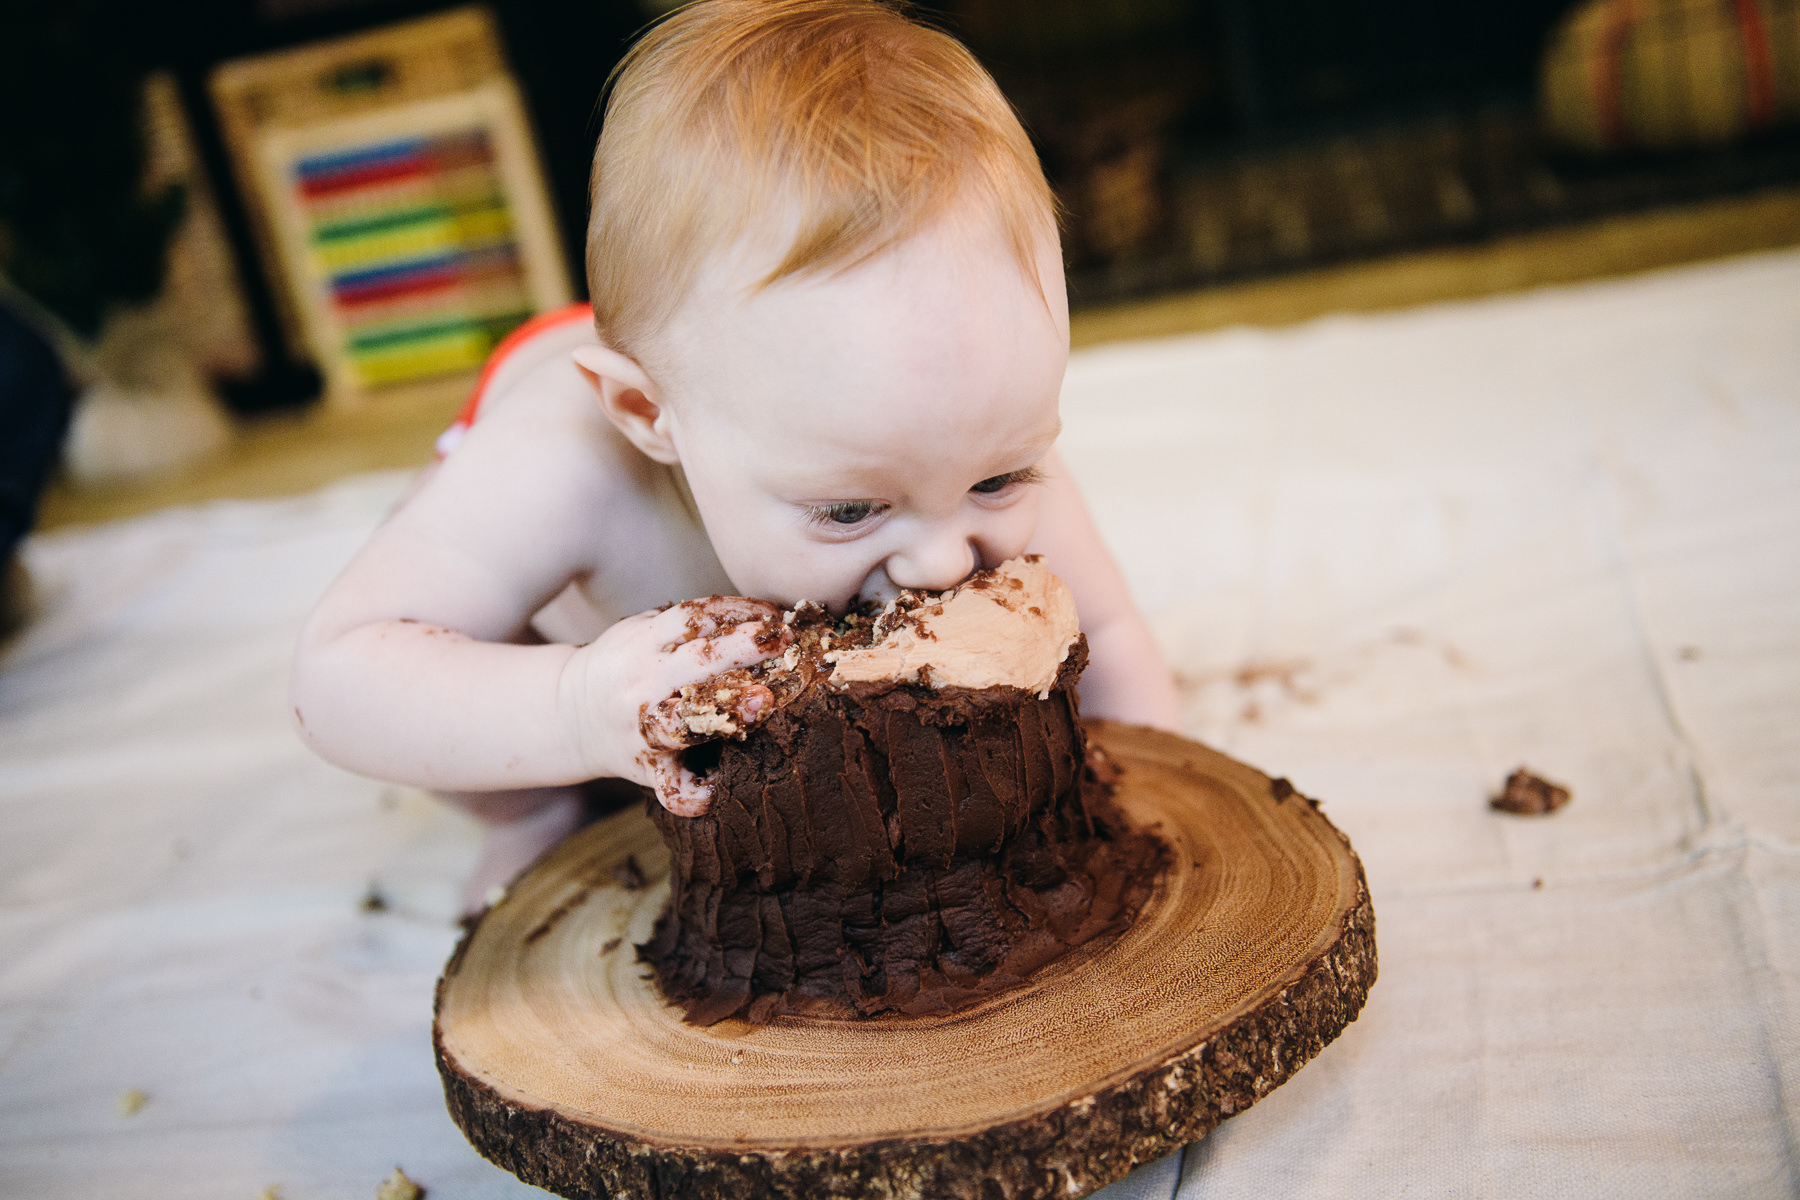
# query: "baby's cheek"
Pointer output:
{"type": "Point", "coordinates": [1010, 534]}
{"type": "Point", "coordinates": [794, 572]}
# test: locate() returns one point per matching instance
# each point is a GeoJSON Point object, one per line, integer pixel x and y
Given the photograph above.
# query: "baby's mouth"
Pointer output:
{"type": "Point", "coordinates": [877, 591]}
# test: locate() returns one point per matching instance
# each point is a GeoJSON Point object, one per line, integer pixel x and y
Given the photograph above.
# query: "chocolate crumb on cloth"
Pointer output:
{"type": "Point", "coordinates": [629, 875]}
{"type": "Point", "coordinates": [910, 823]}
{"type": "Point", "coordinates": [398, 1187]}
{"type": "Point", "coordinates": [1526, 795]}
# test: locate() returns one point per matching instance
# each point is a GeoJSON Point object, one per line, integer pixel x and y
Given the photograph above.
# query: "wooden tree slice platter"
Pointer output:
{"type": "Point", "coordinates": [561, 1063]}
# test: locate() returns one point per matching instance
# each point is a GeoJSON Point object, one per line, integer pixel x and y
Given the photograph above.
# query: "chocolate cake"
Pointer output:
{"type": "Point", "coordinates": [910, 822]}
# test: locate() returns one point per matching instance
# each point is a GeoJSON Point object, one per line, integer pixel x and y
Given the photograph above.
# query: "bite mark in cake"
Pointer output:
{"type": "Point", "coordinates": [1010, 627]}
{"type": "Point", "coordinates": [1013, 626]}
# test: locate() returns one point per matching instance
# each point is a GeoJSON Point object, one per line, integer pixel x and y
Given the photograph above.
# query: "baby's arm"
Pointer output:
{"type": "Point", "coordinates": [413, 667]}
{"type": "Point", "coordinates": [1127, 678]}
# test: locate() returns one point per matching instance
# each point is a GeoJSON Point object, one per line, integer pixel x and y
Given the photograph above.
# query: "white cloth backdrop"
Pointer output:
{"type": "Point", "coordinates": [1392, 557]}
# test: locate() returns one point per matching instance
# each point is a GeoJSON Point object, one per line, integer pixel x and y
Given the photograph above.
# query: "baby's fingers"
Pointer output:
{"type": "Point", "coordinates": [742, 646]}
{"type": "Point", "coordinates": [663, 727]}
{"type": "Point", "coordinates": [701, 641]}
{"type": "Point", "coordinates": [677, 789]}
{"type": "Point", "coordinates": [719, 707]}
{"type": "Point", "coordinates": [711, 616]}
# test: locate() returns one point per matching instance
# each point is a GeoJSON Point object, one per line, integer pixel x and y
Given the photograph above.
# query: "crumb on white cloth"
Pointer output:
{"type": "Point", "coordinates": [271, 1192]}
{"type": "Point", "coordinates": [398, 1187]}
{"type": "Point", "coordinates": [1529, 795]}
{"type": "Point", "coordinates": [131, 1101]}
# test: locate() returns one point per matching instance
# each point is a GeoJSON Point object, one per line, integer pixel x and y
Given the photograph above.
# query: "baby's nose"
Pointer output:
{"type": "Point", "coordinates": [932, 563]}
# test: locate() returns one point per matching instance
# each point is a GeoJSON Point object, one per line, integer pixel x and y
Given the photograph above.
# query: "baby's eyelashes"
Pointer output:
{"type": "Point", "coordinates": [999, 483]}
{"type": "Point", "coordinates": [845, 512]}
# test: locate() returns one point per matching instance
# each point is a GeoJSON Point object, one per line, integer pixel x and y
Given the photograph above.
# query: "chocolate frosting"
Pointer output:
{"type": "Point", "coordinates": [893, 847]}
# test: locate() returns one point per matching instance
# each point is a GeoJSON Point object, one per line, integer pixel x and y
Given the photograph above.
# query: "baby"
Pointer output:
{"type": "Point", "coordinates": [828, 335]}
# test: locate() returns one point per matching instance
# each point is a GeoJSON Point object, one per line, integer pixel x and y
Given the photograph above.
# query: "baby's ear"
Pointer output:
{"type": "Point", "coordinates": [630, 399]}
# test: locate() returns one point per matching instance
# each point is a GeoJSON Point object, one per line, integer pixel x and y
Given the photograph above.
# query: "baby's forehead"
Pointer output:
{"type": "Point", "coordinates": [769, 251]}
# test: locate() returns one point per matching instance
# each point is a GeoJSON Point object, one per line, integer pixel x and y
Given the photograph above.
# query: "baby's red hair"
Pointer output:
{"type": "Point", "coordinates": [840, 123]}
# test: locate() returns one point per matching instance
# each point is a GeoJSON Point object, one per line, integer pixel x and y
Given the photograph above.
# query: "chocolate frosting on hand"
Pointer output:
{"type": "Point", "coordinates": [669, 727]}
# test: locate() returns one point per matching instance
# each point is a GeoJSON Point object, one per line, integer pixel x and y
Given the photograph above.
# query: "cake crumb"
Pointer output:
{"type": "Point", "coordinates": [398, 1187]}
{"type": "Point", "coordinates": [373, 901]}
{"type": "Point", "coordinates": [272, 1192]}
{"type": "Point", "coordinates": [629, 875]}
{"type": "Point", "coordinates": [1280, 788]}
{"type": "Point", "coordinates": [1100, 766]}
{"type": "Point", "coordinates": [132, 1101]}
{"type": "Point", "coordinates": [1527, 795]}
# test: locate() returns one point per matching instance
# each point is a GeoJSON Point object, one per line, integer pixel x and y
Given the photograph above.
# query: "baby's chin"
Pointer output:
{"type": "Point", "coordinates": [837, 599]}
{"type": "Point", "coordinates": [878, 591]}
{"type": "Point", "coordinates": [875, 591]}
{"type": "Point", "coordinates": [785, 595]}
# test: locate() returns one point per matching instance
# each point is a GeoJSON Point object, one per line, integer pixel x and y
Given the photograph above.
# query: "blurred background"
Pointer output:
{"type": "Point", "coordinates": [249, 245]}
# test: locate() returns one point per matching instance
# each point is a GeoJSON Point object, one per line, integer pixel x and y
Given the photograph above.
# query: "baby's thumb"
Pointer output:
{"type": "Point", "coordinates": [678, 789]}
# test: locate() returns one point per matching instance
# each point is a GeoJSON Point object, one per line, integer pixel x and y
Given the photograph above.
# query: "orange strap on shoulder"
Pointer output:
{"type": "Point", "coordinates": [568, 314]}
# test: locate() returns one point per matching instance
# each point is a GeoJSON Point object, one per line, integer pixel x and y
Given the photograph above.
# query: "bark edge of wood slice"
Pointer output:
{"type": "Point", "coordinates": [561, 1063]}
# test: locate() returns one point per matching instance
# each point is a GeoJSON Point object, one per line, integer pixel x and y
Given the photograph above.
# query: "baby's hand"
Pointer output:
{"type": "Point", "coordinates": [636, 666]}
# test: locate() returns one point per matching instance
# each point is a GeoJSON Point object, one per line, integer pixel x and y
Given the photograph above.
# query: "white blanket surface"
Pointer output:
{"type": "Point", "coordinates": [1391, 557]}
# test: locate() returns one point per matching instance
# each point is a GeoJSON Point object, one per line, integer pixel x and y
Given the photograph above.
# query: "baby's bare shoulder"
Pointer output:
{"type": "Point", "coordinates": [544, 488]}
{"type": "Point", "coordinates": [547, 425]}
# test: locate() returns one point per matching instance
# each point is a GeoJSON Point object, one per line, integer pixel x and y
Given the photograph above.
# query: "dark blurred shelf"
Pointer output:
{"type": "Point", "coordinates": [1198, 142]}
{"type": "Point", "coordinates": [1452, 179]}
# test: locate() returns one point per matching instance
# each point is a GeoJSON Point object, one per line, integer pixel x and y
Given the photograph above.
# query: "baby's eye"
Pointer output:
{"type": "Point", "coordinates": [999, 483]}
{"type": "Point", "coordinates": [844, 512]}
